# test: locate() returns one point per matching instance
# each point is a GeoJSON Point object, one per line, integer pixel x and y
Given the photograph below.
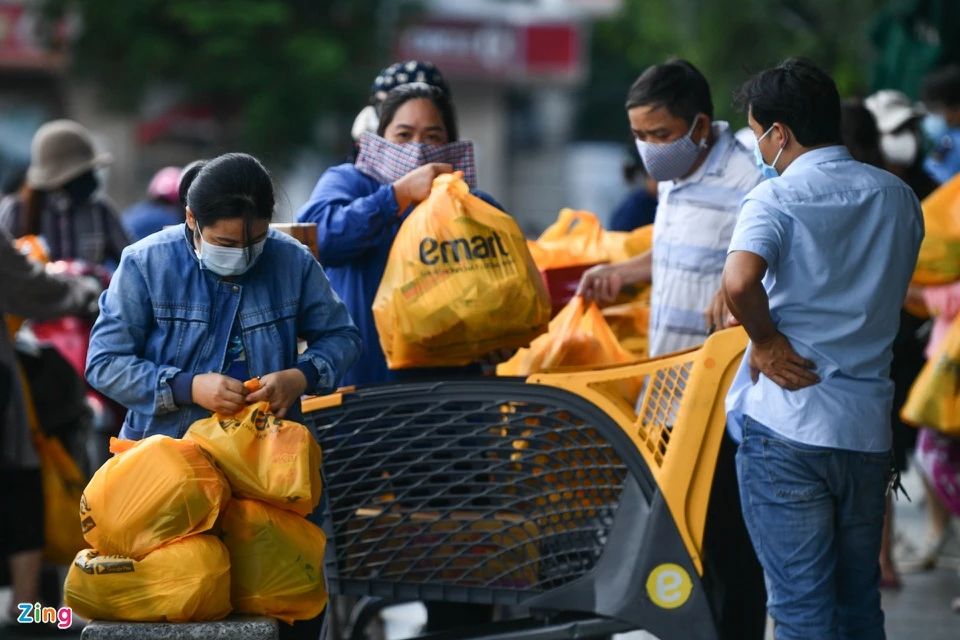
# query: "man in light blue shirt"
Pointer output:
{"type": "Point", "coordinates": [817, 271]}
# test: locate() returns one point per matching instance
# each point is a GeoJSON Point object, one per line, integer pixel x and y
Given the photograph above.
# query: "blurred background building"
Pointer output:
{"type": "Point", "coordinates": [539, 84]}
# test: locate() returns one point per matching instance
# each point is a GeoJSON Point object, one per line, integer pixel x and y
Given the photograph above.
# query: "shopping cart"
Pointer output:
{"type": "Point", "coordinates": [578, 496]}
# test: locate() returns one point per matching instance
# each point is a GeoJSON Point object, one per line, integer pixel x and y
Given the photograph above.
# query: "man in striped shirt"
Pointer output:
{"type": "Point", "coordinates": [703, 174]}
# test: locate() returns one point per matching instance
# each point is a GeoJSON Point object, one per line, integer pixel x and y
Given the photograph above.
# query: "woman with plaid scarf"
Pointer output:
{"type": "Point", "coordinates": [358, 207]}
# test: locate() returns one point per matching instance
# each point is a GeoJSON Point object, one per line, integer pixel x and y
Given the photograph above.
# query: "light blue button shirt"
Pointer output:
{"type": "Point", "coordinates": [840, 239]}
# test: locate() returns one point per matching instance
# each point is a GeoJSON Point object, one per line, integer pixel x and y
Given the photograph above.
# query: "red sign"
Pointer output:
{"type": "Point", "coordinates": [495, 50]}
{"type": "Point", "coordinates": [21, 46]}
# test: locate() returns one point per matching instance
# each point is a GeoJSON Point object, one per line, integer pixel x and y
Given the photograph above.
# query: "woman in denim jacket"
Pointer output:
{"type": "Point", "coordinates": [195, 309]}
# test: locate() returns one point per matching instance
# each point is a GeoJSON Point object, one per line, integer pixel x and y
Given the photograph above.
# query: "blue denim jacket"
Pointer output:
{"type": "Point", "coordinates": [163, 314]}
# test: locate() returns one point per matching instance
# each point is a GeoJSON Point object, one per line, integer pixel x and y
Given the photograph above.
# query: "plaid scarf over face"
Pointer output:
{"type": "Point", "coordinates": [387, 161]}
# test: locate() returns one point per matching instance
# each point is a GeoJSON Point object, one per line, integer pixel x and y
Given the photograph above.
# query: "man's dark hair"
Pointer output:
{"type": "Point", "coordinates": [799, 95]}
{"type": "Point", "coordinates": [676, 85]}
{"type": "Point", "coordinates": [942, 87]}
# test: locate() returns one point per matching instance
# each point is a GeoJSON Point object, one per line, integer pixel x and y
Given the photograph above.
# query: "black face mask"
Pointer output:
{"type": "Point", "coordinates": [81, 188]}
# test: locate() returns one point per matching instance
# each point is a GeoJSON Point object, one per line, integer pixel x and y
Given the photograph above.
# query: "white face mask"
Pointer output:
{"type": "Point", "coordinates": [900, 149]}
{"type": "Point", "coordinates": [228, 261]}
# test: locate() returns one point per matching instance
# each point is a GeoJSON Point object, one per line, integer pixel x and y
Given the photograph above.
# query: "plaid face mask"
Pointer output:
{"type": "Point", "coordinates": [387, 161]}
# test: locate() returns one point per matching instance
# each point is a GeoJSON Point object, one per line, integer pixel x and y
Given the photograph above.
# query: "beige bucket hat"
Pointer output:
{"type": "Point", "coordinates": [892, 109]}
{"type": "Point", "coordinates": [62, 150]}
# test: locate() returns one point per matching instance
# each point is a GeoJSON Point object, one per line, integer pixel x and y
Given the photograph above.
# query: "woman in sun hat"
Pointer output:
{"type": "Point", "coordinates": [60, 201]}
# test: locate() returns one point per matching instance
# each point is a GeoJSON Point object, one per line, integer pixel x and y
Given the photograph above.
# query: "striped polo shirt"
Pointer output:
{"type": "Point", "coordinates": [695, 220]}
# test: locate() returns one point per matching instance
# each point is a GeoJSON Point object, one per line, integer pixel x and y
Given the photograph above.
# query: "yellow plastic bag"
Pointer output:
{"type": "Point", "coordinates": [630, 322]}
{"type": "Point", "coordinates": [578, 336]}
{"type": "Point", "coordinates": [277, 561]}
{"type": "Point", "coordinates": [62, 490]}
{"type": "Point", "coordinates": [934, 399]}
{"type": "Point", "coordinates": [62, 483]}
{"type": "Point", "coordinates": [459, 284]}
{"type": "Point", "coordinates": [263, 457]}
{"type": "Point", "coordinates": [187, 580]}
{"type": "Point", "coordinates": [939, 259]}
{"type": "Point", "coordinates": [577, 238]}
{"type": "Point", "coordinates": [151, 493]}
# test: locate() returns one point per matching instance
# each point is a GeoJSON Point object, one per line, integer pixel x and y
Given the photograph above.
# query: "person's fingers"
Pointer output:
{"type": "Point", "coordinates": [280, 413]}
{"type": "Point", "coordinates": [799, 373]}
{"type": "Point", "coordinates": [611, 287]}
{"type": "Point", "coordinates": [718, 316]}
{"type": "Point", "coordinates": [586, 285]}
{"type": "Point", "coordinates": [442, 167]}
{"type": "Point", "coordinates": [233, 384]}
{"type": "Point", "coordinates": [797, 378]}
{"type": "Point", "coordinates": [795, 358]}
{"type": "Point", "coordinates": [257, 396]}
{"type": "Point", "coordinates": [754, 374]}
{"type": "Point", "coordinates": [603, 289]}
{"type": "Point", "coordinates": [266, 392]}
{"type": "Point", "coordinates": [227, 407]}
{"type": "Point", "coordinates": [803, 367]}
{"type": "Point", "coordinates": [229, 394]}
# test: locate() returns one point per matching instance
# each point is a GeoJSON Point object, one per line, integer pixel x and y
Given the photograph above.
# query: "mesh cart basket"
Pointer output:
{"type": "Point", "coordinates": [579, 496]}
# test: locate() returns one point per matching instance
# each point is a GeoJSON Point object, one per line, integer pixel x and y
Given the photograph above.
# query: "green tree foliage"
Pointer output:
{"type": "Point", "coordinates": [270, 66]}
{"type": "Point", "coordinates": [727, 42]}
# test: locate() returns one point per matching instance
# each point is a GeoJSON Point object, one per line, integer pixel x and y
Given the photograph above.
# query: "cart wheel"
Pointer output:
{"type": "Point", "coordinates": [364, 614]}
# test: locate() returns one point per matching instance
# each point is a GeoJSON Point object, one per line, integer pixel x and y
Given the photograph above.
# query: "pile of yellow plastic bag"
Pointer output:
{"type": "Point", "coordinates": [934, 399]}
{"type": "Point", "coordinates": [276, 560]}
{"type": "Point", "coordinates": [152, 492]}
{"type": "Point", "coordinates": [262, 457]}
{"type": "Point", "coordinates": [181, 581]}
{"type": "Point", "coordinates": [577, 238]}
{"type": "Point", "coordinates": [151, 510]}
{"type": "Point", "coordinates": [459, 284]}
{"type": "Point", "coordinates": [630, 322]}
{"type": "Point", "coordinates": [578, 336]}
{"type": "Point", "coordinates": [939, 259]}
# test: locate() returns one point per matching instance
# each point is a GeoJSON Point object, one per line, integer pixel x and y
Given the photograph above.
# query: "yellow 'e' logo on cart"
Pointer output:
{"type": "Point", "coordinates": [669, 586]}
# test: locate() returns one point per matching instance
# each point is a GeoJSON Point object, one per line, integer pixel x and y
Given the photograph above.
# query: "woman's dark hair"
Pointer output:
{"type": "Point", "coordinates": [186, 178]}
{"type": "Point", "coordinates": [860, 134]}
{"type": "Point", "coordinates": [413, 91]}
{"type": "Point", "coordinates": [234, 185]}
{"type": "Point", "coordinates": [677, 85]}
{"type": "Point", "coordinates": [33, 201]}
{"type": "Point", "coordinates": [798, 94]}
{"type": "Point", "coordinates": [942, 87]}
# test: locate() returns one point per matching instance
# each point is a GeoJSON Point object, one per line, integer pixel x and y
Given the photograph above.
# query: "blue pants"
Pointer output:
{"type": "Point", "coordinates": [815, 516]}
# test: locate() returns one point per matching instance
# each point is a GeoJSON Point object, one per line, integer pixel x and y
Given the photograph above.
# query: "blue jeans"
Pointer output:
{"type": "Point", "coordinates": [815, 516]}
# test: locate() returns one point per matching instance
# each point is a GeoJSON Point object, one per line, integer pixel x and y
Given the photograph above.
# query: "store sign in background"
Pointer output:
{"type": "Point", "coordinates": [495, 51]}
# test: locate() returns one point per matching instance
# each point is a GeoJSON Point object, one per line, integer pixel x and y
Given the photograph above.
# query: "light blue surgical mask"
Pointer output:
{"type": "Point", "coordinates": [228, 261]}
{"type": "Point", "coordinates": [768, 170]}
{"type": "Point", "coordinates": [935, 127]}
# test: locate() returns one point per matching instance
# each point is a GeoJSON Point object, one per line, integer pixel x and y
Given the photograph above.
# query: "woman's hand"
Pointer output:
{"type": "Point", "coordinates": [218, 393]}
{"type": "Point", "coordinates": [281, 389]}
{"type": "Point", "coordinates": [415, 186]}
